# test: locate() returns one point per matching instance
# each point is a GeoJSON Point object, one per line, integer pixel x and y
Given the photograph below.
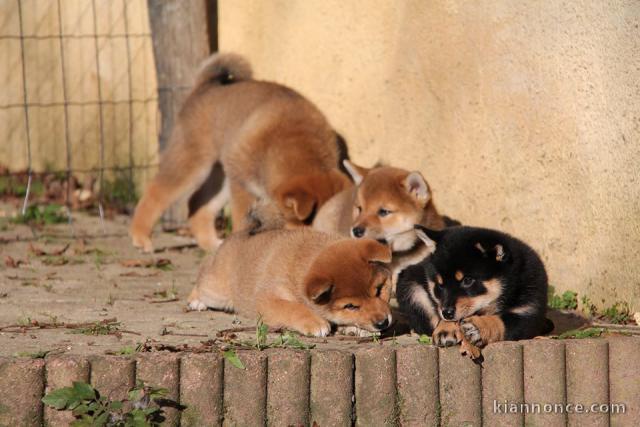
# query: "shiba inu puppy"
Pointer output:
{"type": "Point", "coordinates": [384, 205]}
{"type": "Point", "coordinates": [299, 279]}
{"type": "Point", "coordinates": [492, 284]}
{"type": "Point", "coordinates": [272, 143]}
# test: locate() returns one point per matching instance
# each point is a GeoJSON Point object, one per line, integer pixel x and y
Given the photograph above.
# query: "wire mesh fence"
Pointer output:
{"type": "Point", "coordinates": [79, 103]}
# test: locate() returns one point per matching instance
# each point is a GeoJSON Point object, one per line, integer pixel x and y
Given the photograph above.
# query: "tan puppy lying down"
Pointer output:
{"type": "Point", "coordinates": [299, 279]}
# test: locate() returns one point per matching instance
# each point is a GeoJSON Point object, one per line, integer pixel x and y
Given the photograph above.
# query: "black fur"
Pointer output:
{"type": "Point", "coordinates": [499, 256]}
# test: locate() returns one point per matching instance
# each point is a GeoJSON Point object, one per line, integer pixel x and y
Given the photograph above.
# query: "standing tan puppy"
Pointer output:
{"type": "Point", "coordinates": [384, 205]}
{"type": "Point", "coordinates": [299, 279]}
{"type": "Point", "coordinates": [273, 145]}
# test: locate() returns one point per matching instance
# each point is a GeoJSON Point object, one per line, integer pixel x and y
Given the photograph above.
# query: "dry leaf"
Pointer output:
{"type": "Point", "coordinates": [11, 262]}
{"type": "Point", "coordinates": [41, 252]}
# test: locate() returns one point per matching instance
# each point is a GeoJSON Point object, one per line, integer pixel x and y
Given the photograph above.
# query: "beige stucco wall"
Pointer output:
{"type": "Point", "coordinates": [523, 115]}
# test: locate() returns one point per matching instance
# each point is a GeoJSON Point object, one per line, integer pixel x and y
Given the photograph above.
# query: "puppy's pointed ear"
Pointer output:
{"type": "Point", "coordinates": [430, 243]}
{"type": "Point", "coordinates": [427, 235]}
{"type": "Point", "coordinates": [417, 187]}
{"type": "Point", "coordinates": [357, 172]}
{"type": "Point", "coordinates": [319, 289]}
{"type": "Point", "coordinates": [300, 203]}
{"type": "Point", "coordinates": [373, 251]}
{"type": "Point", "coordinates": [500, 254]}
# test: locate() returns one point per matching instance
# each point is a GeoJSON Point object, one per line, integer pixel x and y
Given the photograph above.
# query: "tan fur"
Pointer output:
{"type": "Point", "coordinates": [299, 279]}
{"type": "Point", "coordinates": [273, 144]}
{"type": "Point", "coordinates": [380, 187]}
{"type": "Point", "coordinates": [488, 328]}
{"type": "Point", "coordinates": [485, 303]}
{"type": "Point", "coordinates": [446, 334]}
{"type": "Point", "coordinates": [383, 187]}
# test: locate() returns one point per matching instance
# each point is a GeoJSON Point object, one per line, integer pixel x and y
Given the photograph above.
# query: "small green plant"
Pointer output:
{"type": "Point", "coordinates": [582, 333]}
{"type": "Point", "coordinates": [120, 192]}
{"type": "Point", "coordinates": [129, 350]}
{"type": "Point", "coordinates": [98, 328]}
{"type": "Point", "coordinates": [111, 300]}
{"type": "Point", "coordinates": [42, 215]}
{"type": "Point", "coordinates": [619, 313]}
{"type": "Point", "coordinates": [290, 339]}
{"type": "Point", "coordinates": [261, 335]}
{"type": "Point", "coordinates": [232, 357]}
{"type": "Point", "coordinates": [424, 339]}
{"type": "Point", "coordinates": [143, 406]}
{"type": "Point", "coordinates": [567, 301]}
{"type": "Point", "coordinates": [40, 354]}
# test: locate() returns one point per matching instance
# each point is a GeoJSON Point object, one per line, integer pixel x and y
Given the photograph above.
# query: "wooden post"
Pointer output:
{"type": "Point", "coordinates": [184, 33]}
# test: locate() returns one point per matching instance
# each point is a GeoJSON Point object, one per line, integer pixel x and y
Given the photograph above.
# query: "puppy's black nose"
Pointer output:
{"type": "Point", "coordinates": [383, 324]}
{"type": "Point", "coordinates": [357, 231]}
{"type": "Point", "coordinates": [448, 313]}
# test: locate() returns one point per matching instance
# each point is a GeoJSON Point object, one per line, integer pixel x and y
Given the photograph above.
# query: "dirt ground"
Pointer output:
{"type": "Point", "coordinates": [62, 276]}
{"type": "Point", "coordinates": [84, 289]}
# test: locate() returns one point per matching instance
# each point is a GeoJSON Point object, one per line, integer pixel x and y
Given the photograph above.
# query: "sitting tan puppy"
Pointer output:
{"type": "Point", "coordinates": [273, 145]}
{"type": "Point", "coordinates": [384, 205]}
{"type": "Point", "coordinates": [299, 279]}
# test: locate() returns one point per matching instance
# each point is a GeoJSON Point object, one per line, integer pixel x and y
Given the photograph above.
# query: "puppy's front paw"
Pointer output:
{"type": "Point", "coordinates": [316, 327]}
{"type": "Point", "coordinates": [196, 305]}
{"type": "Point", "coordinates": [482, 330]}
{"type": "Point", "coordinates": [355, 331]}
{"type": "Point", "coordinates": [446, 334]}
{"type": "Point", "coordinates": [471, 332]}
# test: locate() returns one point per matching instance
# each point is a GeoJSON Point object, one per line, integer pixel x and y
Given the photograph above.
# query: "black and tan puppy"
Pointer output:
{"type": "Point", "coordinates": [489, 284]}
{"type": "Point", "coordinates": [272, 143]}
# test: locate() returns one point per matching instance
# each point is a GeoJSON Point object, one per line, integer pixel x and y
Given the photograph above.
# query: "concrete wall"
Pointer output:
{"type": "Point", "coordinates": [523, 116]}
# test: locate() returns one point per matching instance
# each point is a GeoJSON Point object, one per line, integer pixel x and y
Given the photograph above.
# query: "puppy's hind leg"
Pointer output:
{"type": "Point", "coordinates": [182, 168]}
{"type": "Point", "coordinates": [201, 222]}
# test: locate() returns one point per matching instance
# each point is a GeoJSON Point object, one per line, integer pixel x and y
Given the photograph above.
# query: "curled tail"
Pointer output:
{"type": "Point", "coordinates": [223, 68]}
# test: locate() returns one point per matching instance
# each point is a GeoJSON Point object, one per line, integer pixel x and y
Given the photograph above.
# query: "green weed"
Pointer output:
{"type": "Point", "coordinates": [567, 301]}
{"type": "Point", "coordinates": [42, 215]}
{"type": "Point", "coordinates": [144, 406]}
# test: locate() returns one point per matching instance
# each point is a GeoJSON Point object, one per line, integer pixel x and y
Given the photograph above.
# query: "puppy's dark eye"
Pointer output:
{"type": "Point", "coordinates": [468, 281]}
{"type": "Point", "coordinates": [382, 212]}
{"type": "Point", "coordinates": [351, 307]}
{"type": "Point", "coordinates": [379, 289]}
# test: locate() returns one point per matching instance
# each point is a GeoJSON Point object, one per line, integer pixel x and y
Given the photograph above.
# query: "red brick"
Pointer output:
{"type": "Point", "coordinates": [21, 388]}
{"type": "Point", "coordinates": [624, 379]}
{"type": "Point", "coordinates": [460, 389]}
{"type": "Point", "coordinates": [62, 371]}
{"type": "Point", "coordinates": [162, 371]}
{"type": "Point", "coordinates": [376, 387]}
{"type": "Point", "coordinates": [332, 389]}
{"type": "Point", "coordinates": [201, 382]}
{"type": "Point", "coordinates": [417, 377]}
{"type": "Point", "coordinates": [587, 364]}
{"type": "Point", "coordinates": [502, 382]}
{"type": "Point", "coordinates": [544, 381]}
{"type": "Point", "coordinates": [245, 390]}
{"type": "Point", "coordinates": [288, 388]}
{"type": "Point", "coordinates": [113, 376]}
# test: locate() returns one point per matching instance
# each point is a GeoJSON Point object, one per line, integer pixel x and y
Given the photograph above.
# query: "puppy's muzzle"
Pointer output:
{"type": "Point", "coordinates": [383, 324]}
